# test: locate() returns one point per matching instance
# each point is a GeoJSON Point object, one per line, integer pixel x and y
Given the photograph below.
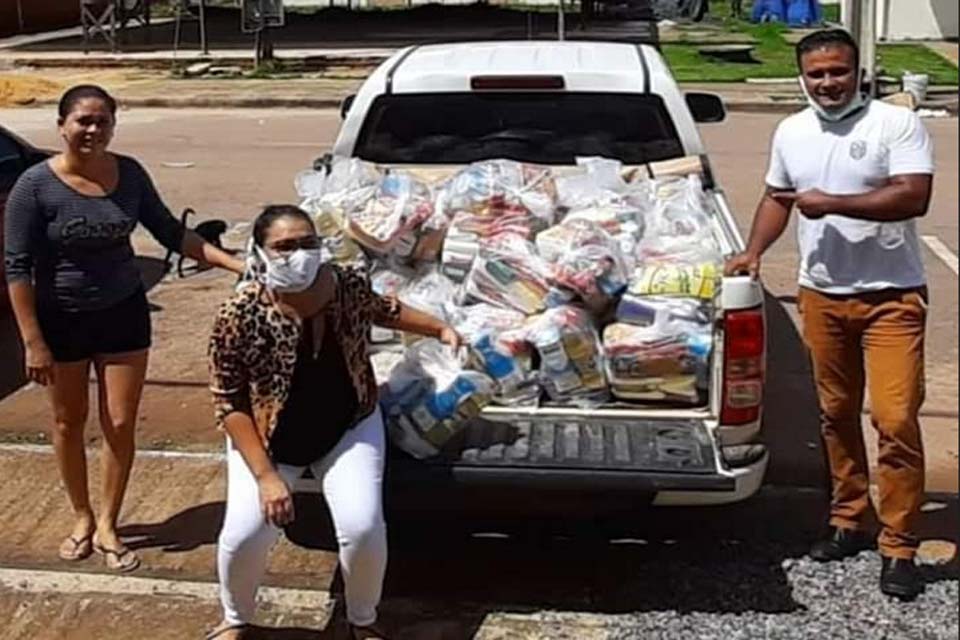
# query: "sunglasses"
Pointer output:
{"type": "Point", "coordinates": [290, 245]}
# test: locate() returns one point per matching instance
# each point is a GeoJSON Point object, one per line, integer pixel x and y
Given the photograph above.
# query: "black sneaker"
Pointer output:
{"type": "Point", "coordinates": [840, 544]}
{"type": "Point", "coordinates": [899, 578]}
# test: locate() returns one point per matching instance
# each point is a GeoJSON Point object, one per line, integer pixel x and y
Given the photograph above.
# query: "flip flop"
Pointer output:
{"type": "Point", "coordinates": [123, 559]}
{"type": "Point", "coordinates": [81, 548]}
{"type": "Point", "coordinates": [216, 633]}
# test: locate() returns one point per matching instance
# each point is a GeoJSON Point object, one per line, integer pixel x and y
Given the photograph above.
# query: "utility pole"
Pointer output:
{"type": "Point", "coordinates": [860, 19]}
{"type": "Point", "coordinates": [560, 23]}
{"type": "Point", "coordinates": [868, 45]}
{"type": "Point", "coordinates": [850, 17]}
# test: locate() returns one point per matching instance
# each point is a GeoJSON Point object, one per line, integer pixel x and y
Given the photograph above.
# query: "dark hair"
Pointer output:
{"type": "Point", "coordinates": [272, 213]}
{"type": "Point", "coordinates": [75, 94]}
{"type": "Point", "coordinates": [827, 38]}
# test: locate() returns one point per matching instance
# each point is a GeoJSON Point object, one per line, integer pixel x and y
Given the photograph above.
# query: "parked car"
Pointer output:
{"type": "Point", "coordinates": [16, 155]}
{"type": "Point", "coordinates": [549, 103]}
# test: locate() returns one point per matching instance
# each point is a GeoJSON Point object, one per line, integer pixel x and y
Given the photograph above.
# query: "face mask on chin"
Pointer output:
{"type": "Point", "coordinates": [858, 102]}
{"type": "Point", "coordinates": [293, 273]}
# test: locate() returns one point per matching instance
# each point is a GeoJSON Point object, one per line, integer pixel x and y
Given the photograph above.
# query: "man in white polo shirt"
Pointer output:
{"type": "Point", "coordinates": [859, 172]}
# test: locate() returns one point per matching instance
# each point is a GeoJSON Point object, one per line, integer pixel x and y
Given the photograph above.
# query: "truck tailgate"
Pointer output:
{"type": "Point", "coordinates": [654, 454]}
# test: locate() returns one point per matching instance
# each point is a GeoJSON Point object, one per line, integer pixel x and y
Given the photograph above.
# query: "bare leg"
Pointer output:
{"type": "Point", "coordinates": [69, 395]}
{"type": "Point", "coordinates": [120, 379]}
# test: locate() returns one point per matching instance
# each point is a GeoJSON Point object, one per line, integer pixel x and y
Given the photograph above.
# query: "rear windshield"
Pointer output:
{"type": "Point", "coordinates": [541, 127]}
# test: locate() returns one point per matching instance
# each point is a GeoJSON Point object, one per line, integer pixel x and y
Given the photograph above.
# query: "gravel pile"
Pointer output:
{"type": "Point", "coordinates": [836, 601]}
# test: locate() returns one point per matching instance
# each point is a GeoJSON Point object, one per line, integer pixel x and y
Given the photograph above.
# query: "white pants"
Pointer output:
{"type": "Point", "coordinates": [351, 477]}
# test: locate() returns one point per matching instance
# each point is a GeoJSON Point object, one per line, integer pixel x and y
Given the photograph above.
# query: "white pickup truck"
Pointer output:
{"type": "Point", "coordinates": [549, 103]}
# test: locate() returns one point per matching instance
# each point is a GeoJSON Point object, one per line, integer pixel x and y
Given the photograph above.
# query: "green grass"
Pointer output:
{"type": "Point", "coordinates": [689, 66]}
{"type": "Point", "coordinates": [775, 56]}
{"type": "Point", "coordinates": [894, 59]}
{"type": "Point", "coordinates": [830, 13]}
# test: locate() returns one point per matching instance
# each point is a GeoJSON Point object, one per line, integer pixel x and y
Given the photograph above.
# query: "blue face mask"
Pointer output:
{"type": "Point", "coordinates": [858, 102]}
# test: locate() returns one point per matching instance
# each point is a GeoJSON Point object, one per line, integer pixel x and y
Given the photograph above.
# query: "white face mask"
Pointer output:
{"type": "Point", "coordinates": [833, 115]}
{"type": "Point", "coordinates": [294, 272]}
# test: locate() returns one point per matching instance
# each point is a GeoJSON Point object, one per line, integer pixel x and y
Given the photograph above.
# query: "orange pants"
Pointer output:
{"type": "Point", "coordinates": [878, 336]}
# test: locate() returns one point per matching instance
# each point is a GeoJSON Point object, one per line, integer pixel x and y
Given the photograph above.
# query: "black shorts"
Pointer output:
{"type": "Point", "coordinates": [81, 335]}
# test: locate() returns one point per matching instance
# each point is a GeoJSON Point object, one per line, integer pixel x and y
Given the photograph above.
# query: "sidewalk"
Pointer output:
{"type": "Point", "coordinates": [949, 50]}
{"type": "Point", "coordinates": [333, 75]}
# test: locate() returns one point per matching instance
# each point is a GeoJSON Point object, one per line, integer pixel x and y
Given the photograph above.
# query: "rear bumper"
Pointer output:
{"type": "Point", "coordinates": [746, 482]}
{"type": "Point", "coordinates": [662, 488]}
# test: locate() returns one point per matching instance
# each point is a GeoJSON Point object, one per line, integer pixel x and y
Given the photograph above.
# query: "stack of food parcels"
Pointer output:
{"type": "Point", "coordinates": [573, 287]}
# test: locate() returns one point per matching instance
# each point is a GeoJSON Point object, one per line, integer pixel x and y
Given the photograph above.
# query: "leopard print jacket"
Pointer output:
{"type": "Point", "coordinates": [253, 348]}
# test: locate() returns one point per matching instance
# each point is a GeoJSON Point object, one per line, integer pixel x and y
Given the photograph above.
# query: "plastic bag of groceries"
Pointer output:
{"type": "Point", "coordinates": [587, 264]}
{"type": "Point", "coordinates": [430, 292]}
{"type": "Point", "coordinates": [678, 254]}
{"type": "Point", "coordinates": [571, 362]}
{"type": "Point", "coordinates": [678, 227]}
{"type": "Point", "coordinates": [571, 234]}
{"type": "Point", "coordinates": [491, 186]}
{"type": "Point", "coordinates": [459, 250]}
{"type": "Point", "coordinates": [624, 222]}
{"type": "Point", "coordinates": [667, 312]}
{"type": "Point", "coordinates": [594, 274]}
{"type": "Point", "coordinates": [389, 281]}
{"type": "Point", "coordinates": [507, 272]}
{"type": "Point", "coordinates": [659, 362]}
{"type": "Point", "coordinates": [492, 199]}
{"type": "Point", "coordinates": [430, 397]}
{"type": "Point", "coordinates": [328, 218]}
{"type": "Point", "coordinates": [509, 363]}
{"type": "Point", "coordinates": [498, 346]}
{"type": "Point", "coordinates": [487, 195]}
{"type": "Point", "coordinates": [678, 279]}
{"type": "Point", "coordinates": [397, 207]}
{"type": "Point", "coordinates": [597, 180]}
{"type": "Point", "coordinates": [599, 194]}
{"type": "Point", "coordinates": [473, 320]}
{"type": "Point", "coordinates": [348, 184]}
{"type": "Point", "coordinates": [467, 232]}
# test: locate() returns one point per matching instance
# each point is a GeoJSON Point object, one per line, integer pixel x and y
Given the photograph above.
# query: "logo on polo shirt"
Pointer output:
{"type": "Point", "coordinates": [858, 149]}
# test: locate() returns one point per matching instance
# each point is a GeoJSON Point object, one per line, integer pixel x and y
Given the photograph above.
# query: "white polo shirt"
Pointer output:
{"type": "Point", "coordinates": [839, 254]}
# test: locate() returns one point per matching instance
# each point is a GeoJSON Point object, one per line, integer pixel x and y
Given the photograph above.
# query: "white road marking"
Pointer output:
{"type": "Point", "coordinates": [943, 252]}
{"type": "Point", "coordinates": [34, 581]}
{"type": "Point", "coordinates": [301, 485]}
{"type": "Point", "coordinates": [47, 449]}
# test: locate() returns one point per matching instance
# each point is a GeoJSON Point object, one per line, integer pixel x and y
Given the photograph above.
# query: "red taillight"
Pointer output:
{"type": "Point", "coordinates": [513, 83]}
{"type": "Point", "coordinates": [743, 349]}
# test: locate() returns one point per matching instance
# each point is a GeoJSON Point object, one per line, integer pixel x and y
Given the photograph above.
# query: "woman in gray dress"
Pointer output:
{"type": "Point", "coordinates": [79, 301]}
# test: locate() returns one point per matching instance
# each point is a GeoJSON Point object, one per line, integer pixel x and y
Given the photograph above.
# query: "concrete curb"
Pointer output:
{"type": "Point", "coordinates": [165, 64]}
{"type": "Point", "coordinates": [214, 103]}
{"type": "Point", "coordinates": [329, 102]}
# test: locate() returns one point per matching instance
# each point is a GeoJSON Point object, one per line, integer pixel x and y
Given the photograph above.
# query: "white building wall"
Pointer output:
{"type": "Point", "coordinates": [917, 19]}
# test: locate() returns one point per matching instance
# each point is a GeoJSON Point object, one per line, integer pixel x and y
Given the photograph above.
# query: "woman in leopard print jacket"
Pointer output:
{"type": "Point", "coordinates": [293, 388]}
